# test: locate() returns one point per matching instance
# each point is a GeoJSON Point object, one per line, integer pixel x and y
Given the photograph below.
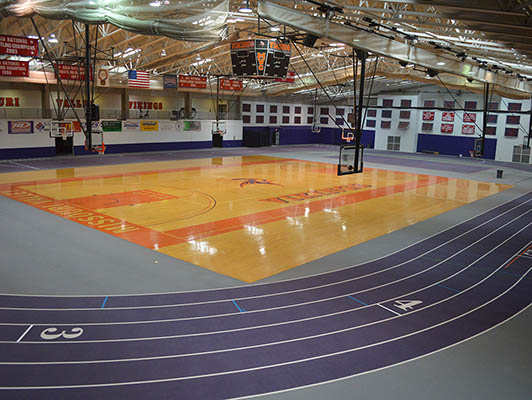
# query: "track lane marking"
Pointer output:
{"type": "Point", "coordinates": [392, 311]}
{"type": "Point", "coordinates": [24, 333]}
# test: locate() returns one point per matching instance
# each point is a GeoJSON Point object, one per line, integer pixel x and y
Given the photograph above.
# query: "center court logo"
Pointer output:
{"type": "Point", "coordinates": [254, 181]}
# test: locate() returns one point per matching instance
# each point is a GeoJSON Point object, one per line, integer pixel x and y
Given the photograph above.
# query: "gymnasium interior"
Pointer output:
{"type": "Point", "coordinates": [265, 199]}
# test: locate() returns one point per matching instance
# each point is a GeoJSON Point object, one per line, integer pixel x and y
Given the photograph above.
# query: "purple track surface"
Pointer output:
{"type": "Point", "coordinates": [261, 338]}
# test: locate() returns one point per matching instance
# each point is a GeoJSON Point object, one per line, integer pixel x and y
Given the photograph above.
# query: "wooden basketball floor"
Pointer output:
{"type": "Point", "coordinates": [247, 217]}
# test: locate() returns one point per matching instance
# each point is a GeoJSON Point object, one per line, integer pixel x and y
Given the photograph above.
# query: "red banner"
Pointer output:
{"type": "Point", "coordinates": [290, 78]}
{"type": "Point", "coordinates": [72, 72]}
{"type": "Point", "coordinates": [447, 128]}
{"type": "Point", "coordinates": [448, 117]}
{"type": "Point", "coordinates": [468, 129]}
{"type": "Point", "coordinates": [14, 68]}
{"type": "Point", "coordinates": [19, 46]}
{"type": "Point", "coordinates": [192, 81]}
{"type": "Point", "coordinates": [470, 117]}
{"type": "Point", "coordinates": [231, 84]}
{"type": "Point", "coordinates": [428, 115]}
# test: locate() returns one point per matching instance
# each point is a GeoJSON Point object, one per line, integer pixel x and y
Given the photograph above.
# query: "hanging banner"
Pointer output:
{"type": "Point", "coordinates": [149, 126]}
{"type": "Point", "coordinates": [447, 128]}
{"type": "Point", "coordinates": [19, 46]}
{"type": "Point", "coordinates": [71, 72]}
{"type": "Point", "coordinates": [290, 78]}
{"type": "Point", "coordinates": [17, 127]}
{"type": "Point", "coordinates": [468, 129]}
{"type": "Point", "coordinates": [428, 115]}
{"type": "Point", "coordinates": [231, 84]}
{"type": "Point", "coordinates": [14, 68]}
{"type": "Point", "coordinates": [448, 117]}
{"type": "Point", "coordinates": [170, 81]}
{"type": "Point", "coordinates": [192, 81]}
{"type": "Point", "coordinates": [470, 117]}
{"type": "Point", "coordinates": [103, 78]}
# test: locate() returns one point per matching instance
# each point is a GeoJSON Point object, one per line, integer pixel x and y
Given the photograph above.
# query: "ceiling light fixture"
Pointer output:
{"type": "Point", "coordinates": [275, 29]}
{"type": "Point", "coordinates": [244, 8]}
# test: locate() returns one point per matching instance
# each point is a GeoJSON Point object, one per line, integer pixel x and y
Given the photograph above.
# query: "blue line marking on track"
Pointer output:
{"type": "Point", "coordinates": [510, 273]}
{"type": "Point", "coordinates": [357, 300]}
{"type": "Point", "coordinates": [237, 306]}
{"type": "Point", "coordinates": [104, 301]}
{"type": "Point", "coordinates": [448, 288]}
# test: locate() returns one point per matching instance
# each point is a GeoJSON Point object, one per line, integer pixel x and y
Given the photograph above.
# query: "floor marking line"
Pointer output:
{"type": "Point", "coordinates": [104, 301]}
{"type": "Point", "coordinates": [24, 165]}
{"type": "Point", "coordinates": [24, 334]}
{"type": "Point", "coordinates": [312, 287]}
{"type": "Point", "coordinates": [523, 252]}
{"type": "Point", "coordinates": [392, 311]}
{"type": "Point", "coordinates": [237, 306]}
{"type": "Point", "coordinates": [292, 279]}
{"type": "Point", "coordinates": [357, 300]}
{"type": "Point", "coordinates": [293, 361]}
{"type": "Point", "coordinates": [509, 273]}
{"type": "Point", "coordinates": [447, 287]}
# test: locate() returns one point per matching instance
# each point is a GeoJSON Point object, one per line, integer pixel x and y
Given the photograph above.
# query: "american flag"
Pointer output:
{"type": "Point", "coordinates": [138, 79]}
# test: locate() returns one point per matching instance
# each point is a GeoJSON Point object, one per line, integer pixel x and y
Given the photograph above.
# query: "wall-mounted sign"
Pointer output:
{"type": "Point", "coordinates": [112, 126]}
{"type": "Point", "coordinates": [192, 81]}
{"type": "Point", "coordinates": [14, 68]}
{"type": "Point", "coordinates": [468, 129]}
{"type": "Point", "coordinates": [447, 128]}
{"type": "Point", "coordinates": [9, 102]}
{"type": "Point", "coordinates": [71, 72]}
{"type": "Point", "coordinates": [170, 81]}
{"type": "Point", "coordinates": [231, 84]}
{"type": "Point", "coordinates": [470, 117]}
{"type": "Point", "coordinates": [428, 115]}
{"type": "Point", "coordinates": [19, 46]}
{"type": "Point", "coordinates": [145, 105]}
{"type": "Point", "coordinates": [16, 127]}
{"type": "Point", "coordinates": [149, 126]}
{"type": "Point", "coordinates": [448, 117]}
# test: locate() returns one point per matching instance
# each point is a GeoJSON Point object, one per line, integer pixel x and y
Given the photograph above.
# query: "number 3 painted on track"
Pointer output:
{"type": "Point", "coordinates": [49, 333]}
{"type": "Point", "coordinates": [406, 305]}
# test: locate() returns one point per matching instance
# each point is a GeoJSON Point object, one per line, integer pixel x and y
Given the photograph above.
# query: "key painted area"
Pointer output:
{"type": "Point", "coordinates": [247, 217]}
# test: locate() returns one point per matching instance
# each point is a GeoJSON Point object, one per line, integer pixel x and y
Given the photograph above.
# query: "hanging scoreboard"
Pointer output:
{"type": "Point", "coordinates": [261, 58]}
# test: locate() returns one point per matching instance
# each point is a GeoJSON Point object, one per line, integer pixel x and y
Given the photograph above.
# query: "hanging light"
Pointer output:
{"type": "Point", "coordinates": [244, 8]}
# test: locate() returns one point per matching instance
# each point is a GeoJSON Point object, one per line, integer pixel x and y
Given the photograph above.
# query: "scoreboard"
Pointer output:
{"type": "Point", "coordinates": [261, 58]}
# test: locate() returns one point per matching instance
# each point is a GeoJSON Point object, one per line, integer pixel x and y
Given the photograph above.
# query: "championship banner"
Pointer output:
{"type": "Point", "coordinates": [447, 128]}
{"type": "Point", "coordinates": [71, 72]}
{"type": "Point", "coordinates": [170, 81]}
{"type": "Point", "coordinates": [428, 115]}
{"type": "Point", "coordinates": [19, 127]}
{"type": "Point", "coordinates": [112, 126]}
{"type": "Point", "coordinates": [231, 84]}
{"type": "Point", "coordinates": [103, 78]}
{"type": "Point", "coordinates": [448, 117]}
{"type": "Point", "coordinates": [149, 126]}
{"type": "Point", "coordinates": [14, 68]}
{"type": "Point", "coordinates": [470, 117]}
{"type": "Point", "coordinates": [192, 81]}
{"type": "Point", "coordinates": [468, 129]}
{"type": "Point", "coordinates": [19, 46]}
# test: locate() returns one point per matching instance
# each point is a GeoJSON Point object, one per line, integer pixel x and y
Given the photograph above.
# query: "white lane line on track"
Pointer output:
{"type": "Point", "coordinates": [24, 165]}
{"type": "Point", "coordinates": [386, 308]}
{"type": "Point", "coordinates": [281, 293]}
{"type": "Point", "coordinates": [267, 325]}
{"type": "Point", "coordinates": [285, 280]}
{"type": "Point", "coordinates": [296, 339]}
{"type": "Point", "coordinates": [288, 362]}
{"type": "Point", "coordinates": [24, 333]}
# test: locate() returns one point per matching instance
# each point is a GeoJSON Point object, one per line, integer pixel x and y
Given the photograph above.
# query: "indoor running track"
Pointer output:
{"type": "Point", "coordinates": [262, 338]}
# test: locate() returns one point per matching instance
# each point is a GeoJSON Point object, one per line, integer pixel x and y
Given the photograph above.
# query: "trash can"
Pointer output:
{"type": "Point", "coordinates": [499, 173]}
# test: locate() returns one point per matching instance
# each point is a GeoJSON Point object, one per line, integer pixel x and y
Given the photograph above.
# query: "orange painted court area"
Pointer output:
{"type": "Point", "coordinates": [247, 217]}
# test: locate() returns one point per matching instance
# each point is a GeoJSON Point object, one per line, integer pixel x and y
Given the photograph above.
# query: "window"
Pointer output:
{"type": "Point", "coordinates": [246, 119]}
{"type": "Point", "coordinates": [521, 154]}
{"type": "Point", "coordinates": [259, 119]}
{"type": "Point", "coordinates": [297, 120]}
{"type": "Point", "coordinates": [260, 108]}
{"type": "Point", "coordinates": [340, 121]}
{"type": "Point", "coordinates": [513, 119]}
{"type": "Point", "coordinates": [403, 124]}
{"type": "Point", "coordinates": [324, 120]}
{"type": "Point", "coordinates": [386, 113]}
{"type": "Point", "coordinates": [310, 110]}
{"type": "Point", "coordinates": [406, 103]}
{"type": "Point", "coordinates": [493, 106]}
{"type": "Point", "coordinates": [372, 113]}
{"type": "Point", "coordinates": [273, 119]}
{"type": "Point", "coordinates": [394, 143]}
{"type": "Point", "coordinates": [387, 102]}
{"type": "Point", "coordinates": [310, 119]}
{"type": "Point", "coordinates": [492, 119]}
{"type": "Point", "coordinates": [386, 124]}
{"type": "Point", "coordinates": [491, 130]}
{"type": "Point", "coordinates": [297, 110]}
{"type": "Point", "coordinates": [448, 104]}
{"type": "Point", "coordinates": [286, 109]}
{"type": "Point", "coordinates": [404, 114]}
{"type": "Point", "coordinates": [429, 104]}
{"type": "Point", "coordinates": [371, 123]}
{"type": "Point", "coordinates": [246, 107]}
{"type": "Point", "coordinates": [286, 119]}
{"type": "Point", "coordinates": [340, 111]}
{"type": "Point", "coordinates": [427, 126]}
{"type": "Point", "coordinates": [273, 109]}
{"type": "Point", "coordinates": [511, 132]}
{"type": "Point", "coordinates": [470, 105]}
{"type": "Point", "coordinates": [324, 110]}
{"type": "Point", "coordinates": [514, 106]}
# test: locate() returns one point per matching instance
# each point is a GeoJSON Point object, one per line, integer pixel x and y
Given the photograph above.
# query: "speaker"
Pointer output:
{"type": "Point", "coordinates": [309, 40]}
{"type": "Point", "coordinates": [95, 112]}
